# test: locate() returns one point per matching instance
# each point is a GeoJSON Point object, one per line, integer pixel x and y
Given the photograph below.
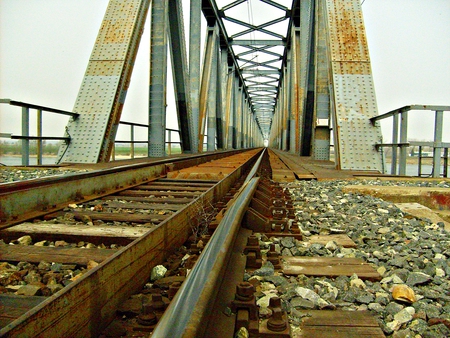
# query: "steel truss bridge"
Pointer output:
{"type": "Point", "coordinates": [293, 76]}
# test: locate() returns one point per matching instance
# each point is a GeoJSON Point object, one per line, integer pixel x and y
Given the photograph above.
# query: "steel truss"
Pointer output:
{"type": "Point", "coordinates": [289, 73]}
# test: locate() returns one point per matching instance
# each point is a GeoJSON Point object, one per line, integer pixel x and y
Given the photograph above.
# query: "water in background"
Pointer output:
{"type": "Point", "coordinates": [411, 169]}
{"type": "Point", "coordinates": [17, 160]}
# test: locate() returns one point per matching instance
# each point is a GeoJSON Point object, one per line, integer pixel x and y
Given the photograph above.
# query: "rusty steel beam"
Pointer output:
{"type": "Point", "coordinates": [353, 89]}
{"type": "Point", "coordinates": [105, 84]}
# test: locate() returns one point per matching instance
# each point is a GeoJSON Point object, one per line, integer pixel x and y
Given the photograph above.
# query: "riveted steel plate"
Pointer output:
{"type": "Point", "coordinates": [355, 104]}
{"type": "Point", "coordinates": [116, 31]}
{"type": "Point", "coordinates": [347, 34]}
{"type": "Point", "coordinates": [354, 94]}
{"type": "Point", "coordinates": [103, 89]}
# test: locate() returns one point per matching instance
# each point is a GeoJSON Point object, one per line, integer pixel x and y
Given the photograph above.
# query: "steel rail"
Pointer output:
{"type": "Point", "coordinates": [29, 199]}
{"type": "Point", "coordinates": [185, 314]}
{"type": "Point", "coordinates": [86, 306]}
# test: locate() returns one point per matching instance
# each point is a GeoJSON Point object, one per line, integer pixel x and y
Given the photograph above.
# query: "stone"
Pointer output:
{"type": "Point", "coordinates": [393, 326]}
{"type": "Point", "coordinates": [403, 293]}
{"type": "Point", "coordinates": [242, 333]}
{"type": "Point", "coordinates": [287, 242]}
{"type": "Point", "coordinates": [158, 272]}
{"type": "Point", "coordinates": [417, 278]}
{"type": "Point", "coordinates": [358, 283]}
{"type": "Point", "coordinates": [405, 315]}
{"type": "Point", "coordinates": [331, 245]}
{"type": "Point", "coordinates": [266, 270]}
{"type": "Point", "coordinates": [265, 312]}
{"type": "Point", "coordinates": [29, 290]}
{"type": "Point", "coordinates": [25, 240]}
{"type": "Point", "coordinates": [301, 303]}
{"type": "Point", "coordinates": [54, 288]}
{"type": "Point", "coordinates": [91, 264]}
{"type": "Point", "coordinates": [265, 300]}
{"type": "Point", "coordinates": [377, 307]}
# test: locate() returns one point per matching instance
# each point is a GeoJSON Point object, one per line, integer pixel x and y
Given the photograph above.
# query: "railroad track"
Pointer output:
{"type": "Point", "coordinates": [99, 253]}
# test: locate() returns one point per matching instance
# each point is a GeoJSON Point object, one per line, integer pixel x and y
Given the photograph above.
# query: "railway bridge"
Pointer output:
{"type": "Point", "coordinates": [295, 76]}
{"type": "Point", "coordinates": [266, 224]}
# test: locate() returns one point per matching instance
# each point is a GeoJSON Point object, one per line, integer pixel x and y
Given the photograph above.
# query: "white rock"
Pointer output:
{"type": "Point", "coordinates": [158, 272]}
{"type": "Point", "coordinates": [405, 315]}
{"type": "Point", "coordinates": [394, 325]}
{"type": "Point", "coordinates": [440, 272]}
{"type": "Point", "coordinates": [265, 300]}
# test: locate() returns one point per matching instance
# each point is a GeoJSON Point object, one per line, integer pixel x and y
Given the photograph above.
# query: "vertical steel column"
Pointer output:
{"type": "Point", "coordinates": [403, 140]}
{"type": "Point", "coordinates": [295, 91]}
{"type": "Point", "coordinates": [219, 90]}
{"type": "Point", "coordinates": [224, 102]}
{"type": "Point", "coordinates": [321, 143]}
{"type": "Point", "coordinates": [286, 112]}
{"type": "Point", "coordinates": [180, 74]}
{"type": "Point", "coordinates": [235, 110]}
{"type": "Point", "coordinates": [229, 109]}
{"type": "Point", "coordinates": [158, 79]}
{"type": "Point", "coordinates": [353, 88]}
{"type": "Point", "coordinates": [304, 57]}
{"type": "Point", "coordinates": [212, 98]}
{"type": "Point", "coordinates": [26, 133]}
{"type": "Point", "coordinates": [394, 147]}
{"type": "Point", "coordinates": [208, 91]}
{"type": "Point", "coordinates": [239, 113]}
{"type": "Point", "coordinates": [437, 146]}
{"type": "Point", "coordinates": [105, 84]}
{"type": "Point", "coordinates": [194, 69]}
{"type": "Point", "coordinates": [39, 134]}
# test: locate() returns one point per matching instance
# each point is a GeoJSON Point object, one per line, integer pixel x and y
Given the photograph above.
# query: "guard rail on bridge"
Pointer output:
{"type": "Point", "coordinates": [400, 141]}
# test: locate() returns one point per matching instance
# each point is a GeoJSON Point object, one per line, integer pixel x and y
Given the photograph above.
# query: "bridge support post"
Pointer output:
{"type": "Point", "coordinates": [158, 79]}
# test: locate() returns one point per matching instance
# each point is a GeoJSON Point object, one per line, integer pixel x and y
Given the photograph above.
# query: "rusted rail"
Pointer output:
{"type": "Point", "coordinates": [85, 306]}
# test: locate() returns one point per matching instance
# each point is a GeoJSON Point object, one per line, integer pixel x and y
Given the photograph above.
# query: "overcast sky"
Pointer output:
{"type": "Point", "coordinates": [45, 46]}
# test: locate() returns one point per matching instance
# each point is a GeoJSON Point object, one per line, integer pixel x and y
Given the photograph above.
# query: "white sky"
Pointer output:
{"type": "Point", "coordinates": [45, 47]}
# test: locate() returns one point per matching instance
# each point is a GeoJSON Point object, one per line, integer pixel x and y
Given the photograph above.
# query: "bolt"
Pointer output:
{"type": "Point", "coordinates": [252, 241]}
{"type": "Point", "coordinates": [276, 322]}
{"type": "Point", "coordinates": [157, 302]}
{"type": "Point", "coordinates": [244, 291]}
{"type": "Point", "coordinates": [275, 302]}
{"type": "Point", "coordinates": [147, 316]}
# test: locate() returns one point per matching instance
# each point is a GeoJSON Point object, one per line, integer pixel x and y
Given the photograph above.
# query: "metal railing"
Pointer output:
{"type": "Point", "coordinates": [400, 141]}
{"type": "Point", "coordinates": [132, 140]}
{"type": "Point", "coordinates": [25, 137]}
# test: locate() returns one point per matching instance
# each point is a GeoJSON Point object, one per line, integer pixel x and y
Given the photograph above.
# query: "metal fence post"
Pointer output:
{"type": "Point", "coordinates": [39, 150]}
{"type": "Point", "coordinates": [25, 132]}
{"type": "Point", "coordinates": [403, 140]}
{"type": "Point", "coordinates": [132, 141]}
{"type": "Point", "coordinates": [394, 145]}
{"type": "Point", "coordinates": [438, 121]}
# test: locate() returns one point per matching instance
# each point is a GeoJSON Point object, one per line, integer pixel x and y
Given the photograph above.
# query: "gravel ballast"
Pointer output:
{"type": "Point", "coordinates": [411, 255]}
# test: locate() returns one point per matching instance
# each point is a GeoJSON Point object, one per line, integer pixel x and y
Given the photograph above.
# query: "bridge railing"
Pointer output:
{"type": "Point", "coordinates": [25, 136]}
{"type": "Point", "coordinates": [169, 137]}
{"type": "Point", "coordinates": [401, 142]}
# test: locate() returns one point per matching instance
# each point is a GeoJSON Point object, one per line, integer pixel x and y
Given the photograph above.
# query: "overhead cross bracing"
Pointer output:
{"type": "Point", "coordinates": [294, 74]}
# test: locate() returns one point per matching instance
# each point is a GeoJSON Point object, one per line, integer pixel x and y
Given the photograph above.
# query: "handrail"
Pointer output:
{"type": "Point", "coordinates": [38, 107]}
{"type": "Point", "coordinates": [25, 137]}
{"type": "Point", "coordinates": [400, 138]}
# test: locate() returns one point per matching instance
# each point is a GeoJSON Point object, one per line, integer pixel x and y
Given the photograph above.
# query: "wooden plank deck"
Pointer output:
{"type": "Point", "coordinates": [328, 267]}
{"type": "Point", "coordinates": [339, 324]}
{"type": "Point", "coordinates": [36, 254]}
{"type": "Point", "coordinates": [340, 239]}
